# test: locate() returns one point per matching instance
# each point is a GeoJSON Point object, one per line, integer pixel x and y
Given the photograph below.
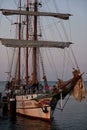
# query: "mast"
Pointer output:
{"type": "Point", "coordinates": [27, 35]}
{"type": "Point", "coordinates": [19, 50]}
{"type": "Point", "coordinates": [34, 49]}
{"type": "Point", "coordinates": [32, 43]}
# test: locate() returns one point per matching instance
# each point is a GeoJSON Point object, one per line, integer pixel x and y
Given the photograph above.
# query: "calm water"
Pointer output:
{"type": "Point", "coordinates": [73, 117]}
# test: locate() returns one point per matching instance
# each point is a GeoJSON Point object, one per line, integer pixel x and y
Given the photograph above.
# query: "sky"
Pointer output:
{"type": "Point", "coordinates": [78, 23]}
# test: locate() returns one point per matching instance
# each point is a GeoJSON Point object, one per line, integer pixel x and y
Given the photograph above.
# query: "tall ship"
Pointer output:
{"type": "Point", "coordinates": [28, 84]}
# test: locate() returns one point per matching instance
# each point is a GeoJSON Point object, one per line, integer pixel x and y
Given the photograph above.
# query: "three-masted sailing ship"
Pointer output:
{"type": "Point", "coordinates": [32, 98]}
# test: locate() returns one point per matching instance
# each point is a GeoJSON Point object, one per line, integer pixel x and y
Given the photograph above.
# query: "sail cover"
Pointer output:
{"type": "Point", "coordinates": [31, 13]}
{"type": "Point", "coordinates": [31, 43]}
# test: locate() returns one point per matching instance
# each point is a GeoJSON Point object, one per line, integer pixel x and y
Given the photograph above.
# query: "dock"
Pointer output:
{"type": "Point", "coordinates": [3, 105]}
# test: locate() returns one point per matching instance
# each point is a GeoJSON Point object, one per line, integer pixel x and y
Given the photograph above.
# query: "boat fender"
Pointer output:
{"type": "Point", "coordinates": [45, 109]}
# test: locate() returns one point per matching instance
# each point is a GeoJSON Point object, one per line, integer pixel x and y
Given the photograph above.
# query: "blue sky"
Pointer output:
{"type": "Point", "coordinates": [78, 23]}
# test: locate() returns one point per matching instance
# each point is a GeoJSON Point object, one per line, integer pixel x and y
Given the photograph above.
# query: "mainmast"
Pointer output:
{"type": "Point", "coordinates": [27, 36]}
{"type": "Point", "coordinates": [34, 49]}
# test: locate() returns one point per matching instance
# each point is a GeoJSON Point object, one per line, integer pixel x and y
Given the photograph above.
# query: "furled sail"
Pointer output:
{"type": "Point", "coordinates": [79, 91]}
{"type": "Point", "coordinates": [31, 13]}
{"type": "Point", "coordinates": [31, 43]}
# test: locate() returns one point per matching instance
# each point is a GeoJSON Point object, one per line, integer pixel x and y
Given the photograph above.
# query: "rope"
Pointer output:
{"type": "Point", "coordinates": [64, 104]}
{"type": "Point", "coordinates": [15, 2]}
{"type": "Point", "coordinates": [1, 13]}
{"type": "Point", "coordinates": [74, 58]}
{"type": "Point", "coordinates": [53, 64]}
{"type": "Point", "coordinates": [9, 19]}
{"type": "Point", "coordinates": [56, 5]}
{"type": "Point", "coordinates": [52, 61]}
{"type": "Point", "coordinates": [1, 2]}
{"type": "Point", "coordinates": [63, 65]}
{"type": "Point", "coordinates": [42, 64]}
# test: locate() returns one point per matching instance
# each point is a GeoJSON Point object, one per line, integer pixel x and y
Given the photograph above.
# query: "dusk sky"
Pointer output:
{"type": "Point", "coordinates": [78, 23]}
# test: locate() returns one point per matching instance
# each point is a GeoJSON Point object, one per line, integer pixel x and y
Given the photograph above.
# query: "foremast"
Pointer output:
{"type": "Point", "coordinates": [19, 49]}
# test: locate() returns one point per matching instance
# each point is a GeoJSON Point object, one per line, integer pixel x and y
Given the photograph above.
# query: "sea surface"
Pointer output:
{"type": "Point", "coordinates": [73, 117]}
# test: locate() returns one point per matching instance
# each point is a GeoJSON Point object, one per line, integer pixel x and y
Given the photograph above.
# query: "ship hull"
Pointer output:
{"type": "Point", "coordinates": [34, 113]}
{"type": "Point", "coordinates": [31, 108]}
{"type": "Point", "coordinates": [42, 106]}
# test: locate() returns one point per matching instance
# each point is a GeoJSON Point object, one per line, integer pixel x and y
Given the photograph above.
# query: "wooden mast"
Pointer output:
{"type": "Point", "coordinates": [34, 49]}
{"type": "Point", "coordinates": [27, 36]}
{"type": "Point", "coordinates": [19, 50]}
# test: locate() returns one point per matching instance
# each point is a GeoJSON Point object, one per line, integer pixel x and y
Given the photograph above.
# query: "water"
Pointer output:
{"type": "Point", "coordinates": [73, 117]}
{"type": "Point", "coordinates": [2, 86]}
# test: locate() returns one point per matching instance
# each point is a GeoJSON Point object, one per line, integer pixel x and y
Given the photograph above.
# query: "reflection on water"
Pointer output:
{"type": "Point", "coordinates": [28, 124]}
{"type": "Point", "coordinates": [20, 123]}
{"type": "Point", "coordinates": [73, 117]}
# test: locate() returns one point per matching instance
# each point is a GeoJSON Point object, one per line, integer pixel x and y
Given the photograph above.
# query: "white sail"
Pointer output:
{"type": "Point", "coordinates": [31, 43]}
{"type": "Point", "coordinates": [31, 13]}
